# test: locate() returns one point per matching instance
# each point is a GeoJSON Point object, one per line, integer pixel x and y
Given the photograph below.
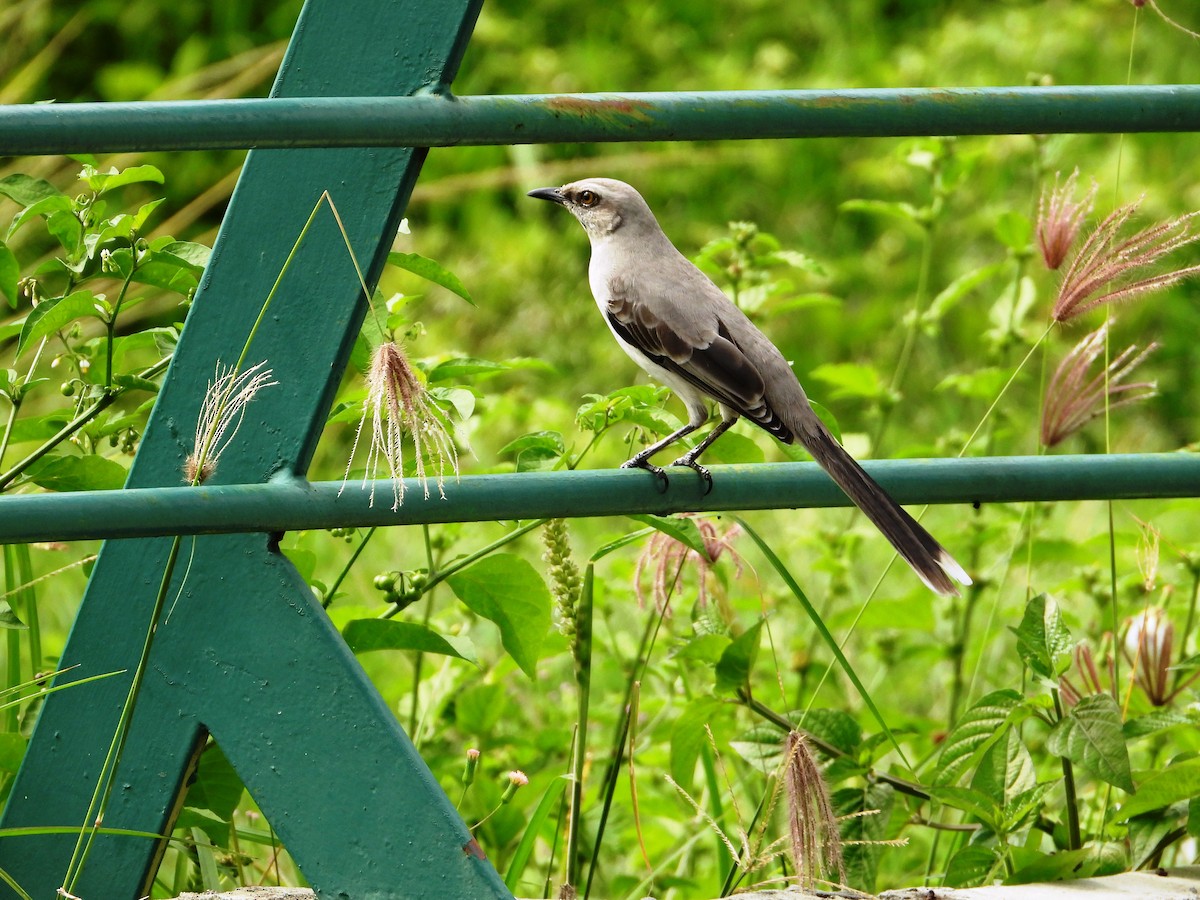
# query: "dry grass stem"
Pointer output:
{"type": "Point", "coordinates": [1060, 218]}
{"type": "Point", "coordinates": [1104, 268]}
{"type": "Point", "coordinates": [221, 415]}
{"type": "Point", "coordinates": [397, 404]}
{"type": "Point", "coordinates": [1073, 398]}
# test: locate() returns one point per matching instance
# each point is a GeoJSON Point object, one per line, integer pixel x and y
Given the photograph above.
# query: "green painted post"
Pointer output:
{"type": "Point", "coordinates": [247, 655]}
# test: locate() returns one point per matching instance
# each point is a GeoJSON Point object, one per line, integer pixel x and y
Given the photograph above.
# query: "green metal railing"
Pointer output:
{"type": "Point", "coordinates": [273, 682]}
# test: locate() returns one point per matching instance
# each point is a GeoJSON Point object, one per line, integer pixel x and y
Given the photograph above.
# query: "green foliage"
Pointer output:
{"type": "Point", "coordinates": [900, 277]}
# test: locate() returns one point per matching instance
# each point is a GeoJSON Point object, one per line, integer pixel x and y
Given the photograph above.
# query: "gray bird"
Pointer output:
{"type": "Point", "coordinates": [684, 332]}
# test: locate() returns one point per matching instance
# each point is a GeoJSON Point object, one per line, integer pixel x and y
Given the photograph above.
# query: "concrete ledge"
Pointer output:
{"type": "Point", "coordinates": [1177, 884]}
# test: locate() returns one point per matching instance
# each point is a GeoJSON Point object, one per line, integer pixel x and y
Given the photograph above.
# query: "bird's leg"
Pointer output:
{"type": "Point", "coordinates": [689, 459]}
{"type": "Point", "coordinates": [642, 460]}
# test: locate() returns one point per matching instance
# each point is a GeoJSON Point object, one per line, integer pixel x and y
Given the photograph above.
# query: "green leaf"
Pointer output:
{"type": "Point", "coordinates": [217, 786]}
{"type": "Point", "coordinates": [736, 663]}
{"type": "Point", "coordinates": [1005, 769]}
{"type": "Point", "coordinates": [508, 590]}
{"type": "Point", "coordinates": [44, 207]}
{"type": "Point", "coordinates": [705, 648]}
{"type": "Point", "coordinates": [973, 865]}
{"type": "Point", "coordinates": [906, 212]}
{"type": "Point", "coordinates": [9, 618]}
{"type": "Point", "coordinates": [950, 296]}
{"type": "Point", "coordinates": [1178, 781]}
{"type": "Point", "coordinates": [1043, 642]}
{"type": "Point", "coordinates": [101, 182]}
{"type": "Point", "coordinates": [1156, 721]}
{"type": "Point", "coordinates": [12, 751]}
{"type": "Point", "coordinates": [689, 736]}
{"type": "Point", "coordinates": [735, 449]}
{"type": "Point", "coordinates": [78, 473]}
{"type": "Point", "coordinates": [977, 730]}
{"type": "Point", "coordinates": [535, 452]}
{"type": "Point", "coordinates": [972, 802]}
{"type": "Point", "coordinates": [1090, 736]}
{"type": "Point", "coordinates": [367, 635]}
{"type": "Point", "coordinates": [51, 315]}
{"type": "Point", "coordinates": [681, 528]}
{"type": "Point", "coordinates": [430, 271]}
{"type": "Point", "coordinates": [1087, 862]}
{"type": "Point", "coordinates": [10, 273]}
{"type": "Point", "coordinates": [834, 726]}
{"type": "Point", "coordinates": [27, 190]}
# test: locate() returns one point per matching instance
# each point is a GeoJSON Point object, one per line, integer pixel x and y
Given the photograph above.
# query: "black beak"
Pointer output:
{"type": "Point", "coordinates": [554, 195]}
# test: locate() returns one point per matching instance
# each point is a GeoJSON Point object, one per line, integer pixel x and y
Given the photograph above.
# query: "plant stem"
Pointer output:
{"type": "Point", "coordinates": [108, 771]}
{"type": "Point", "coordinates": [337, 582]}
{"type": "Point", "coordinates": [111, 324]}
{"type": "Point", "coordinates": [1074, 840]}
{"type": "Point", "coordinates": [581, 646]}
{"type": "Point", "coordinates": [102, 403]}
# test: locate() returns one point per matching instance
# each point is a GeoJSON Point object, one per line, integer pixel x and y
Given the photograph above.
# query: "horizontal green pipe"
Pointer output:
{"type": "Point", "coordinates": [434, 120]}
{"type": "Point", "coordinates": [291, 505]}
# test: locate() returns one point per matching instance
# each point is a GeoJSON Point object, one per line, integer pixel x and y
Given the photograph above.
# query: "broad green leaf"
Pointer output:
{"type": "Point", "coordinates": [27, 190]}
{"type": "Point", "coordinates": [1156, 721]}
{"type": "Point", "coordinates": [982, 383]}
{"type": "Point", "coordinates": [973, 865]}
{"type": "Point", "coordinates": [430, 271]}
{"type": "Point", "coordinates": [1005, 769]}
{"type": "Point", "coordinates": [681, 528]}
{"type": "Point", "coordinates": [508, 590]}
{"type": "Point", "coordinates": [51, 315]}
{"type": "Point", "coordinates": [688, 737]}
{"type": "Point", "coordinates": [865, 814]}
{"type": "Point", "coordinates": [68, 231]}
{"type": "Point", "coordinates": [734, 449]}
{"type": "Point", "coordinates": [736, 663]}
{"type": "Point", "coordinates": [10, 273]}
{"type": "Point", "coordinates": [78, 473]}
{"type": "Point", "coordinates": [833, 726]}
{"type": "Point", "coordinates": [537, 451]}
{"type": "Point", "coordinates": [1087, 862]}
{"type": "Point", "coordinates": [1090, 736]}
{"type": "Point", "coordinates": [214, 828]}
{"type": "Point", "coordinates": [950, 296]}
{"type": "Point", "coordinates": [705, 648]}
{"type": "Point", "coordinates": [100, 182]}
{"type": "Point", "coordinates": [974, 803]}
{"type": "Point", "coordinates": [1043, 642]}
{"type": "Point", "coordinates": [217, 787]}
{"type": "Point", "coordinates": [367, 635]}
{"type": "Point", "coordinates": [188, 254]}
{"type": "Point", "coordinates": [44, 207]}
{"type": "Point", "coordinates": [1178, 781]}
{"type": "Point", "coordinates": [978, 729]}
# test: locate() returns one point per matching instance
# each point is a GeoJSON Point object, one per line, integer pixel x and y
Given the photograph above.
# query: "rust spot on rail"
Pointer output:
{"type": "Point", "coordinates": [618, 111]}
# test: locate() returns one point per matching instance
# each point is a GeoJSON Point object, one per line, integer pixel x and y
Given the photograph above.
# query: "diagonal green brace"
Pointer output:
{"type": "Point", "coordinates": [246, 655]}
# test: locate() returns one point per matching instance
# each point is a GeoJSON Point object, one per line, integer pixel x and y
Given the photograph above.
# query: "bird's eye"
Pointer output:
{"type": "Point", "coordinates": [588, 198]}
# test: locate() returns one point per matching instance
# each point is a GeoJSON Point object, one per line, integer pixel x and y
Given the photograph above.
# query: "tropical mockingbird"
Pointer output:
{"type": "Point", "coordinates": [683, 331]}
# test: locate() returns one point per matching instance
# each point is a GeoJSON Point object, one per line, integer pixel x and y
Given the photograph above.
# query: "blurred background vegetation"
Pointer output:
{"type": "Point", "coordinates": [525, 266]}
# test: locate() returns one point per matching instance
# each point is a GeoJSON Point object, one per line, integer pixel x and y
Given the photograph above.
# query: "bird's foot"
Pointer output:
{"type": "Point", "coordinates": [688, 460]}
{"type": "Point", "coordinates": [639, 463]}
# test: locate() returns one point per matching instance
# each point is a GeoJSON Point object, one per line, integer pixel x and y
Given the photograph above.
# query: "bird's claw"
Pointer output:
{"type": "Point", "coordinates": [700, 470]}
{"type": "Point", "coordinates": [658, 472]}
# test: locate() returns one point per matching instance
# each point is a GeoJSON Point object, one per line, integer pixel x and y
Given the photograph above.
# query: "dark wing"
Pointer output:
{"type": "Point", "coordinates": [707, 357]}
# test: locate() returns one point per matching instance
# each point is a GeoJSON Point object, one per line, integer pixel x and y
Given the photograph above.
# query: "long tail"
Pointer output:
{"type": "Point", "coordinates": [917, 546]}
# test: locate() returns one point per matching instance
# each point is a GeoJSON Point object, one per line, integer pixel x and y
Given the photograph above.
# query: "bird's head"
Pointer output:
{"type": "Point", "coordinates": [602, 205]}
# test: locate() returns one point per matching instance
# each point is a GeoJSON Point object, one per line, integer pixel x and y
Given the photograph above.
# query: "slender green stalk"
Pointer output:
{"type": "Point", "coordinates": [337, 582]}
{"type": "Point", "coordinates": [104, 784]}
{"type": "Point", "coordinates": [581, 645]}
{"type": "Point", "coordinates": [12, 675]}
{"type": "Point", "coordinates": [1074, 839]}
{"type": "Point", "coordinates": [111, 324]}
